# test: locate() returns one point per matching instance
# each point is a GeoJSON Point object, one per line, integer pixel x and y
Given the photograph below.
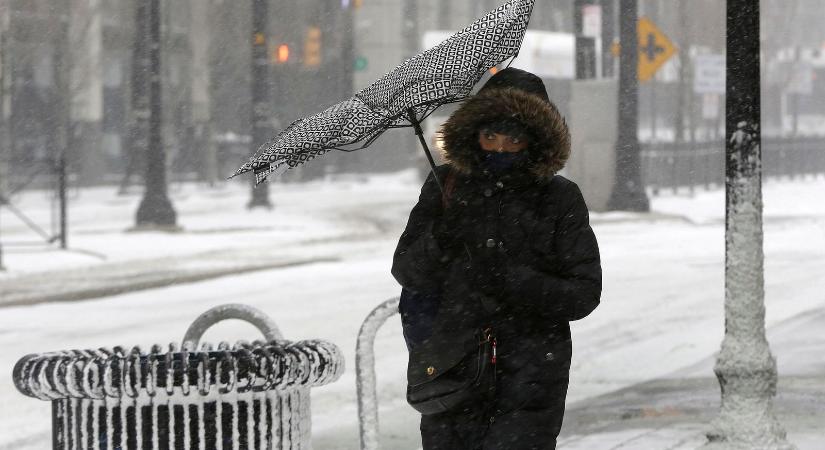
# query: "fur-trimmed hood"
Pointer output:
{"type": "Point", "coordinates": [549, 146]}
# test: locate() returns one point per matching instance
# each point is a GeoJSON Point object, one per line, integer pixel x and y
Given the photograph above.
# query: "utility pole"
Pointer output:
{"type": "Point", "coordinates": [347, 63]}
{"type": "Point", "coordinates": [200, 40]}
{"type": "Point", "coordinates": [628, 192]}
{"type": "Point", "coordinates": [654, 110]}
{"type": "Point", "coordinates": [139, 113]}
{"type": "Point", "coordinates": [410, 28]}
{"type": "Point", "coordinates": [83, 67]}
{"type": "Point", "coordinates": [745, 367]}
{"type": "Point", "coordinates": [155, 210]}
{"type": "Point", "coordinates": [608, 35]}
{"type": "Point", "coordinates": [260, 94]}
{"type": "Point", "coordinates": [684, 66]}
{"type": "Point", "coordinates": [444, 15]}
{"type": "Point", "coordinates": [585, 45]}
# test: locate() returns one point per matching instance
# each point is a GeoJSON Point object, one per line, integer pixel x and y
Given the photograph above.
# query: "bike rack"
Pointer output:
{"type": "Point", "coordinates": [365, 372]}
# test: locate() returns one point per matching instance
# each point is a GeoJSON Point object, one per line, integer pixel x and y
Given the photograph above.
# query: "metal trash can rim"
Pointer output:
{"type": "Point", "coordinates": [120, 372]}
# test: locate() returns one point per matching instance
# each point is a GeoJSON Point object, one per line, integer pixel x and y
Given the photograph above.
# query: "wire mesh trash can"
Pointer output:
{"type": "Point", "coordinates": [242, 396]}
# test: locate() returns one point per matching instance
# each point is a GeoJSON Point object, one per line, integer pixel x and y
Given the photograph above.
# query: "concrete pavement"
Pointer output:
{"type": "Point", "coordinates": [675, 414]}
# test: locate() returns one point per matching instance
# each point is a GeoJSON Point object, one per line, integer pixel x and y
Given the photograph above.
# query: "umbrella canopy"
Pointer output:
{"type": "Point", "coordinates": [443, 74]}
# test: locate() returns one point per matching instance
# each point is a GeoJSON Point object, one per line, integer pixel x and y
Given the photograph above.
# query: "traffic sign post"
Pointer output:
{"type": "Point", "coordinates": [628, 191]}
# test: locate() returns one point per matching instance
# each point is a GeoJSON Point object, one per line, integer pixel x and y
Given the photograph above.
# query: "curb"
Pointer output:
{"type": "Point", "coordinates": [162, 279]}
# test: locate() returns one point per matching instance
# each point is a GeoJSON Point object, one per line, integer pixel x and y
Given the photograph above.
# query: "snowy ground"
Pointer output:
{"type": "Point", "coordinates": [662, 307]}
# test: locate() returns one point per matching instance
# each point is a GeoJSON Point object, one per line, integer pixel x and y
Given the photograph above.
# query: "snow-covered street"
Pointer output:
{"type": "Point", "coordinates": [661, 311]}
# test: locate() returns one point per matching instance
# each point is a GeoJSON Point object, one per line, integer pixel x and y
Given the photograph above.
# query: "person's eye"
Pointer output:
{"type": "Point", "coordinates": [515, 140]}
{"type": "Point", "coordinates": [489, 136]}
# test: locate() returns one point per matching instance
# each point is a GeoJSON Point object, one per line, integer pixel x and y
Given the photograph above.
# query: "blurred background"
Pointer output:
{"type": "Point", "coordinates": [74, 115]}
{"type": "Point", "coordinates": [67, 70]}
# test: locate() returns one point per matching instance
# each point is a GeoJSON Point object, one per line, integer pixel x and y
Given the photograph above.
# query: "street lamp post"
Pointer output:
{"type": "Point", "coordinates": [628, 192]}
{"type": "Point", "coordinates": [608, 30]}
{"type": "Point", "coordinates": [444, 15]}
{"type": "Point", "coordinates": [260, 94]}
{"type": "Point", "coordinates": [585, 45]}
{"type": "Point", "coordinates": [745, 367]}
{"type": "Point", "coordinates": [155, 208]}
{"type": "Point", "coordinates": [409, 30]}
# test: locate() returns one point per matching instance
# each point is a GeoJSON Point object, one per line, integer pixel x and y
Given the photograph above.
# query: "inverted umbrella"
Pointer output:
{"type": "Point", "coordinates": [404, 97]}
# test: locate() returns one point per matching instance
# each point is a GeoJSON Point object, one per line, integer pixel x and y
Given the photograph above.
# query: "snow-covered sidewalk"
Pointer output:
{"type": "Point", "coordinates": [661, 315]}
{"type": "Point", "coordinates": [674, 412]}
{"type": "Point", "coordinates": [212, 219]}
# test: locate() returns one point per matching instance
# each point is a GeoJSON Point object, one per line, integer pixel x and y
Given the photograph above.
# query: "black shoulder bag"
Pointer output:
{"type": "Point", "coordinates": [446, 371]}
{"type": "Point", "coordinates": [451, 368]}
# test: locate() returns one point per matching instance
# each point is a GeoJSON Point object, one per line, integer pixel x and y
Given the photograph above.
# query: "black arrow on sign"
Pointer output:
{"type": "Point", "coordinates": [651, 49]}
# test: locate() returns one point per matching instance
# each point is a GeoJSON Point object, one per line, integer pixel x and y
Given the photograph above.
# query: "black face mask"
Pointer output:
{"type": "Point", "coordinates": [497, 162]}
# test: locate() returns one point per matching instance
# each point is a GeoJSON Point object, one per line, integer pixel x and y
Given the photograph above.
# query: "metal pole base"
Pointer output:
{"type": "Point", "coordinates": [156, 210]}
{"type": "Point", "coordinates": [746, 421]}
{"type": "Point", "coordinates": [260, 197]}
{"type": "Point", "coordinates": [628, 197]}
{"type": "Point", "coordinates": [266, 204]}
{"type": "Point", "coordinates": [152, 228]}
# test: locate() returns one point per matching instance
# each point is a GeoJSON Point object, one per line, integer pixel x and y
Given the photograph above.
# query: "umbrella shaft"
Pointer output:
{"type": "Point", "coordinates": [420, 133]}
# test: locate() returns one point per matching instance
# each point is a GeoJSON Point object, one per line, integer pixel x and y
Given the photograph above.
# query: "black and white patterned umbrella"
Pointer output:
{"type": "Point", "coordinates": [405, 96]}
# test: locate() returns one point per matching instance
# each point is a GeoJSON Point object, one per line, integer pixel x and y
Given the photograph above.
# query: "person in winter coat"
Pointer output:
{"type": "Point", "coordinates": [508, 243]}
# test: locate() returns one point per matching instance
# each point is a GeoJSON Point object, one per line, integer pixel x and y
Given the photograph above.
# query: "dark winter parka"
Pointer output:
{"type": "Point", "coordinates": [512, 249]}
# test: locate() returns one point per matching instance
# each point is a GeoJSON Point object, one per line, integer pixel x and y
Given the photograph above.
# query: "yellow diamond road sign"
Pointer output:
{"type": "Point", "coordinates": [654, 49]}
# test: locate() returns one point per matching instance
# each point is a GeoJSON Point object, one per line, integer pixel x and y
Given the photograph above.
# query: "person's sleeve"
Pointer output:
{"type": "Point", "coordinates": [418, 262]}
{"type": "Point", "coordinates": [572, 289]}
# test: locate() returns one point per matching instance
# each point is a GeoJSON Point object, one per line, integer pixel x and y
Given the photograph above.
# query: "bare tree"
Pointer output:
{"type": "Point", "coordinates": [260, 108]}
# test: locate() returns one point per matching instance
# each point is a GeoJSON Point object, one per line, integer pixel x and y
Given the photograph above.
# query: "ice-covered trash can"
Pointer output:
{"type": "Point", "coordinates": [243, 396]}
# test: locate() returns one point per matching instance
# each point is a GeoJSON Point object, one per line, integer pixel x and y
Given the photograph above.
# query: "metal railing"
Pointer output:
{"type": "Point", "coordinates": [673, 165]}
{"type": "Point", "coordinates": [56, 171]}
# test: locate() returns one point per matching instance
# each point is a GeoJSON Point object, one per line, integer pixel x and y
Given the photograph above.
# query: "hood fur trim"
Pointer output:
{"type": "Point", "coordinates": [549, 147]}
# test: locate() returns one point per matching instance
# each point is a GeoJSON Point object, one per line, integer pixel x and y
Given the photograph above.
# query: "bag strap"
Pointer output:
{"type": "Point", "coordinates": [449, 188]}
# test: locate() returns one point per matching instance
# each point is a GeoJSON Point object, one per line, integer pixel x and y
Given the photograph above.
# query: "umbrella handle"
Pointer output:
{"type": "Point", "coordinates": [420, 133]}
